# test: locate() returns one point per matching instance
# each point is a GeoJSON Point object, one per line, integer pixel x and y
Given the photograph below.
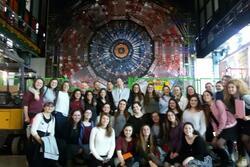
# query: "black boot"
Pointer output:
{"type": "Point", "coordinates": [225, 157]}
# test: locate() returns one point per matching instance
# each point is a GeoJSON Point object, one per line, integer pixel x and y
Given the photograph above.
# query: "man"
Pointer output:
{"type": "Point", "coordinates": [120, 92]}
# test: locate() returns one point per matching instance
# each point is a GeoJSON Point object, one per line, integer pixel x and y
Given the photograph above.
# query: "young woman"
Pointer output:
{"type": "Point", "coordinates": [219, 90]}
{"type": "Point", "coordinates": [125, 147]}
{"type": "Point", "coordinates": [182, 101]}
{"type": "Point", "coordinates": [138, 119]}
{"type": "Point", "coordinates": [62, 109]}
{"type": "Point", "coordinates": [173, 138]}
{"type": "Point", "coordinates": [174, 106]}
{"type": "Point", "coordinates": [31, 105]}
{"type": "Point", "coordinates": [49, 91]}
{"type": "Point", "coordinates": [190, 91]}
{"type": "Point", "coordinates": [223, 126]}
{"type": "Point", "coordinates": [102, 142]}
{"type": "Point", "coordinates": [87, 126]}
{"type": "Point", "coordinates": [164, 100]}
{"type": "Point", "coordinates": [72, 135]}
{"type": "Point", "coordinates": [121, 117]}
{"type": "Point", "coordinates": [237, 95]}
{"type": "Point", "coordinates": [148, 154]}
{"type": "Point", "coordinates": [76, 101]}
{"type": "Point", "coordinates": [106, 108]}
{"type": "Point", "coordinates": [135, 95]}
{"type": "Point", "coordinates": [101, 100]}
{"type": "Point", "coordinates": [157, 129]}
{"type": "Point", "coordinates": [151, 100]}
{"type": "Point", "coordinates": [43, 125]}
{"type": "Point", "coordinates": [90, 103]}
{"type": "Point", "coordinates": [193, 150]}
{"type": "Point", "coordinates": [195, 114]}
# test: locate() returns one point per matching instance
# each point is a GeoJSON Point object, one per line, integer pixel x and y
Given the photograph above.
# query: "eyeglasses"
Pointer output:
{"type": "Point", "coordinates": [51, 106]}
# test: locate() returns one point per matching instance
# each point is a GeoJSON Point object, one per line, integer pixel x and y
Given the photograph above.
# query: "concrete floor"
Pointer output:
{"type": "Point", "coordinates": [12, 161]}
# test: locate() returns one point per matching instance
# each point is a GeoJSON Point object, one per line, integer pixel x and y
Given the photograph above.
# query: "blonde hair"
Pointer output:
{"type": "Point", "coordinates": [242, 89]}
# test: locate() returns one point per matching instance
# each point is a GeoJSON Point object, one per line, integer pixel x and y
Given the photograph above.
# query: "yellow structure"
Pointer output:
{"type": "Point", "coordinates": [11, 119]}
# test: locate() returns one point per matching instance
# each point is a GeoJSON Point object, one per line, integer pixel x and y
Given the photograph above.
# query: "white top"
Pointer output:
{"type": "Point", "coordinates": [163, 104]}
{"type": "Point", "coordinates": [183, 103]}
{"type": "Point", "coordinates": [100, 144]}
{"type": "Point", "coordinates": [62, 103]}
{"type": "Point", "coordinates": [38, 123]}
{"type": "Point", "coordinates": [120, 93]}
{"type": "Point", "coordinates": [197, 119]}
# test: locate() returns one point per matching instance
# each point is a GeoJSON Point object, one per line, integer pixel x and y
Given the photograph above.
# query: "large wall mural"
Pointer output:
{"type": "Point", "coordinates": [123, 38]}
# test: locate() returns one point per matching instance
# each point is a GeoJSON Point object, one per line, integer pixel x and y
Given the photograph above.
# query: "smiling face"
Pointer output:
{"type": "Point", "coordinates": [65, 86]}
{"type": "Point", "coordinates": [150, 88]}
{"type": "Point", "coordinates": [88, 114]}
{"type": "Point", "coordinates": [77, 116]}
{"type": "Point", "coordinates": [128, 131]}
{"type": "Point", "coordinates": [207, 97]}
{"type": "Point", "coordinates": [136, 108]}
{"type": "Point", "coordinates": [219, 87]}
{"type": "Point", "coordinates": [172, 105]}
{"type": "Point", "coordinates": [104, 121]}
{"type": "Point", "coordinates": [171, 117]}
{"type": "Point", "coordinates": [166, 90]}
{"type": "Point", "coordinates": [190, 90]}
{"type": "Point", "coordinates": [53, 84]}
{"type": "Point", "coordinates": [155, 117]}
{"type": "Point", "coordinates": [146, 131]}
{"type": "Point", "coordinates": [188, 130]}
{"type": "Point", "coordinates": [38, 84]}
{"type": "Point", "coordinates": [48, 108]}
{"type": "Point", "coordinates": [232, 89]}
{"type": "Point", "coordinates": [103, 93]}
{"type": "Point", "coordinates": [106, 108]}
{"type": "Point", "coordinates": [177, 91]}
{"type": "Point", "coordinates": [193, 102]}
{"type": "Point", "coordinates": [78, 94]}
{"type": "Point", "coordinates": [136, 88]}
{"type": "Point", "coordinates": [122, 105]}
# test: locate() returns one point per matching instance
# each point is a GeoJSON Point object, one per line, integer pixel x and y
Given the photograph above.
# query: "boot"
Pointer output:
{"type": "Point", "coordinates": [225, 157]}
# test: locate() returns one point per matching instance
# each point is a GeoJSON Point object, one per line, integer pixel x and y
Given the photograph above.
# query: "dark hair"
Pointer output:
{"type": "Point", "coordinates": [166, 86]}
{"type": "Point", "coordinates": [168, 124]}
{"type": "Point", "coordinates": [209, 92]}
{"type": "Point", "coordinates": [219, 82]}
{"type": "Point", "coordinates": [48, 104]}
{"type": "Point", "coordinates": [147, 98]}
{"type": "Point", "coordinates": [133, 95]}
{"type": "Point", "coordinates": [177, 106]}
{"type": "Point", "coordinates": [195, 131]}
{"type": "Point", "coordinates": [126, 113]}
{"type": "Point", "coordinates": [136, 102]}
{"type": "Point", "coordinates": [34, 82]}
{"type": "Point", "coordinates": [71, 121]}
{"type": "Point", "coordinates": [198, 107]}
{"type": "Point", "coordinates": [49, 84]}
{"type": "Point", "coordinates": [187, 95]}
{"type": "Point", "coordinates": [73, 94]}
{"type": "Point", "coordinates": [127, 125]}
{"type": "Point", "coordinates": [63, 84]}
{"type": "Point", "coordinates": [86, 99]}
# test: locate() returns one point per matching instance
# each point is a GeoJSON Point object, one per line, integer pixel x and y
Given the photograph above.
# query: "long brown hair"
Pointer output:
{"type": "Point", "coordinates": [168, 124]}
{"type": "Point", "coordinates": [147, 98]}
{"type": "Point", "coordinates": [142, 145]}
{"type": "Point", "coordinates": [126, 113]}
{"type": "Point", "coordinates": [109, 129]}
{"type": "Point", "coordinates": [198, 107]}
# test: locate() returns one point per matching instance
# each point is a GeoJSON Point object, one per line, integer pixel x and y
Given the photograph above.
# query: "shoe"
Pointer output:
{"type": "Point", "coordinates": [242, 162]}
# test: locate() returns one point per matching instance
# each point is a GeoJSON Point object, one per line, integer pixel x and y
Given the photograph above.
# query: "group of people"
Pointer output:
{"type": "Point", "coordinates": [122, 127]}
